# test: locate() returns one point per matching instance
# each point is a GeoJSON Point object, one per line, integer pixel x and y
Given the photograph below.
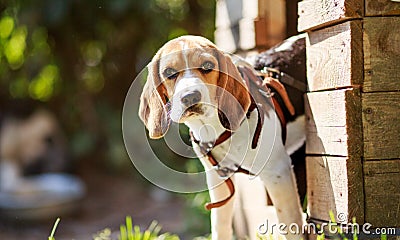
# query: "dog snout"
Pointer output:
{"type": "Point", "coordinates": [191, 98]}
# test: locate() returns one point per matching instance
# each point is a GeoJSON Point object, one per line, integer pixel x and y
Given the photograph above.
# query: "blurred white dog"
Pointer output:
{"type": "Point", "coordinates": [29, 146]}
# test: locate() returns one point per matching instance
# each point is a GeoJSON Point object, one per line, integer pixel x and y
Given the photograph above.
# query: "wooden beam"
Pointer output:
{"type": "Point", "coordinates": [334, 123]}
{"type": "Point", "coordinates": [335, 57]}
{"type": "Point", "coordinates": [381, 124]}
{"type": "Point", "coordinates": [382, 192]}
{"type": "Point", "coordinates": [335, 184]}
{"type": "Point", "coordinates": [381, 7]}
{"type": "Point", "coordinates": [276, 17]}
{"type": "Point", "coordinates": [315, 14]}
{"type": "Point", "coordinates": [381, 40]}
{"type": "Point", "coordinates": [291, 19]}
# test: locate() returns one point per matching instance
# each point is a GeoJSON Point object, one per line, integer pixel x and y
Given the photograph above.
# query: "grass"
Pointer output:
{"type": "Point", "coordinates": [53, 231]}
{"type": "Point", "coordinates": [131, 232]}
{"type": "Point", "coordinates": [128, 231]}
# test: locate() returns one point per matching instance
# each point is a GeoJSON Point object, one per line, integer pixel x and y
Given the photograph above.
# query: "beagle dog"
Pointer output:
{"type": "Point", "coordinates": [191, 81]}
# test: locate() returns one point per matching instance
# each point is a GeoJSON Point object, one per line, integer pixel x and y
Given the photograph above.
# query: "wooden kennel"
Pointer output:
{"type": "Point", "coordinates": [353, 110]}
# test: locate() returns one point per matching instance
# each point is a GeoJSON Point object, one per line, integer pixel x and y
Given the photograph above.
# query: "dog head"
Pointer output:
{"type": "Point", "coordinates": [189, 78]}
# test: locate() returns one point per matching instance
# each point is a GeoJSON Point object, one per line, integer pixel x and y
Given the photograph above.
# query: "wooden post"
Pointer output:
{"type": "Point", "coordinates": [353, 109]}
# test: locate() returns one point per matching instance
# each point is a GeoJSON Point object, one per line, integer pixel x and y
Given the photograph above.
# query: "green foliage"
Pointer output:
{"type": "Point", "coordinates": [105, 234]}
{"type": "Point", "coordinates": [43, 86]}
{"type": "Point", "coordinates": [80, 56]}
{"type": "Point", "coordinates": [270, 237]}
{"type": "Point", "coordinates": [28, 68]}
{"type": "Point", "coordinates": [53, 231]}
{"type": "Point", "coordinates": [130, 232]}
{"type": "Point", "coordinates": [6, 27]}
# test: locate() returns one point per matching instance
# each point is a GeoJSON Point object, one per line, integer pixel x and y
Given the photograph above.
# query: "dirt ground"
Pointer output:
{"type": "Point", "coordinates": [108, 201]}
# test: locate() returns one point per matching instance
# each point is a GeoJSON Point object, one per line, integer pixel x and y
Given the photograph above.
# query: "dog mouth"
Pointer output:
{"type": "Point", "coordinates": [190, 112]}
{"type": "Point", "coordinates": [193, 110]}
{"type": "Point", "coordinates": [199, 110]}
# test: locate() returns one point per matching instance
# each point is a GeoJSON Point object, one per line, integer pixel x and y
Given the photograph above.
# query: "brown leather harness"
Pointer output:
{"type": "Point", "coordinates": [224, 172]}
{"type": "Point", "coordinates": [253, 82]}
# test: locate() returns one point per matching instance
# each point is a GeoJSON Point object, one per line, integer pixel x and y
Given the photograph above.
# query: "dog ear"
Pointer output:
{"type": "Point", "coordinates": [153, 110]}
{"type": "Point", "coordinates": [232, 94]}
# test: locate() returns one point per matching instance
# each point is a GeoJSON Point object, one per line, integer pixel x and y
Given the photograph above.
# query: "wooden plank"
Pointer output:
{"type": "Point", "coordinates": [381, 124]}
{"type": "Point", "coordinates": [270, 25]}
{"type": "Point", "coordinates": [334, 123]}
{"type": "Point", "coordinates": [335, 184]}
{"type": "Point", "coordinates": [260, 27]}
{"type": "Point", "coordinates": [381, 7]}
{"type": "Point", "coordinates": [275, 12]}
{"type": "Point", "coordinates": [335, 57]}
{"type": "Point", "coordinates": [321, 13]}
{"type": "Point", "coordinates": [382, 193]}
{"type": "Point", "coordinates": [381, 54]}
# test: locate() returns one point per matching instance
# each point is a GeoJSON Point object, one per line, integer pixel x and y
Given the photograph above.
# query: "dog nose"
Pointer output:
{"type": "Point", "coordinates": [191, 98]}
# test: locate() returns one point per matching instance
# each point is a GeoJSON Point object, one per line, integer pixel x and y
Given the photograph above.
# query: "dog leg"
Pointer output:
{"type": "Point", "coordinates": [221, 217]}
{"type": "Point", "coordinates": [280, 182]}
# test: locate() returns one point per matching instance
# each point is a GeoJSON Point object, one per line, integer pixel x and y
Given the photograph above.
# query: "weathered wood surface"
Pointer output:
{"type": "Point", "coordinates": [355, 53]}
{"type": "Point", "coordinates": [381, 54]}
{"type": "Point", "coordinates": [335, 184]}
{"type": "Point", "coordinates": [334, 123]}
{"type": "Point", "coordinates": [260, 27]}
{"type": "Point", "coordinates": [321, 13]}
{"type": "Point", "coordinates": [335, 56]}
{"type": "Point", "coordinates": [381, 124]}
{"type": "Point", "coordinates": [381, 7]}
{"type": "Point", "coordinates": [382, 192]}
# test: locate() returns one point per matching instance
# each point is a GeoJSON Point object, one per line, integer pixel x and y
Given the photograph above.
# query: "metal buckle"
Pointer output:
{"type": "Point", "coordinates": [271, 72]}
{"type": "Point", "coordinates": [268, 94]}
{"type": "Point", "coordinates": [206, 147]}
{"type": "Point", "coordinates": [224, 172]}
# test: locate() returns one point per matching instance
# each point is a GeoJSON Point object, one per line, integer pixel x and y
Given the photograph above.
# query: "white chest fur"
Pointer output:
{"type": "Point", "coordinates": [237, 150]}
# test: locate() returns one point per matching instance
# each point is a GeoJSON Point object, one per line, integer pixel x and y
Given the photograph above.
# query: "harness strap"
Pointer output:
{"type": "Point", "coordinates": [281, 90]}
{"type": "Point", "coordinates": [257, 132]}
{"type": "Point", "coordinates": [228, 182]}
{"type": "Point", "coordinates": [221, 203]}
{"type": "Point", "coordinates": [281, 116]}
{"type": "Point", "coordinates": [284, 78]}
{"type": "Point", "coordinates": [269, 82]}
{"type": "Point", "coordinates": [211, 159]}
{"type": "Point", "coordinates": [223, 137]}
{"type": "Point", "coordinates": [206, 148]}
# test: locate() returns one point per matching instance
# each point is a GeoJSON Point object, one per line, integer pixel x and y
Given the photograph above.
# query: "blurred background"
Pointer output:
{"type": "Point", "coordinates": [65, 68]}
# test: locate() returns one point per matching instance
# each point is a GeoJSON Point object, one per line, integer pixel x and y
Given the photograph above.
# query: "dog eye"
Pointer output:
{"type": "Point", "coordinates": [207, 67]}
{"type": "Point", "coordinates": [170, 73]}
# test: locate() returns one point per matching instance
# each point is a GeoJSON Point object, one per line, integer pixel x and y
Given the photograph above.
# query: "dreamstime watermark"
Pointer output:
{"type": "Point", "coordinates": [327, 228]}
